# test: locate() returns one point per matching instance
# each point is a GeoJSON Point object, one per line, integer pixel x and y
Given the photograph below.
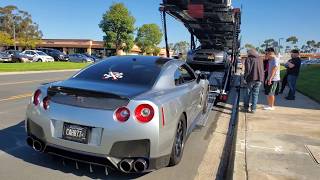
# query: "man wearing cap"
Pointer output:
{"type": "Point", "coordinates": [272, 82]}
{"type": "Point", "coordinates": [293, 69]}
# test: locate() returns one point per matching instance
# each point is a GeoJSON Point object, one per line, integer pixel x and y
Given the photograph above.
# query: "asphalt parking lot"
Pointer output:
{"type": "Point", "coordinates": [18, 161]}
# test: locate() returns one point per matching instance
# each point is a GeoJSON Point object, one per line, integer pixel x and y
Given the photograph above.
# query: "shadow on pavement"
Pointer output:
{"type": "Point", "coordinates": [301, 101]}
{"type": "Point", "coordinates": [13, 143]}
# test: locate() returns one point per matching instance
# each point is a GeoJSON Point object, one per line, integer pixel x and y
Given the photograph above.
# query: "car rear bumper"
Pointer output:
{"type": "Point", "coordinates": [132, 149]}
{"type": "Point", "coordinates": [108, 138]}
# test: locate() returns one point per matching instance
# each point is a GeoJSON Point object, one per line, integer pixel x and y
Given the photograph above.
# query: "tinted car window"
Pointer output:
{"type": "Point", "coordinates": [186, 73]}
{"type": "Point", "coordinates": [178, 78]}
{"type": "Point", "coordinates": [123, 70]}
{"type": "Point", "coordinates": [41, 53]}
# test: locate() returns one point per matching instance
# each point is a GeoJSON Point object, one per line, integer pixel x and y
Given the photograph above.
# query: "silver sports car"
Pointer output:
{"type": "Point", "coordinates": [129, 113]}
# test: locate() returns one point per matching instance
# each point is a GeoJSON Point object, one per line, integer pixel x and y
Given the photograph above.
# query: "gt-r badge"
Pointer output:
{"type": "Point", "coordinates": [113, 75]}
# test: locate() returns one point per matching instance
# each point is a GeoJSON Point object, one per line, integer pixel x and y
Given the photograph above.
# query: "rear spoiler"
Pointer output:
{"type": "Point", "coordinates": [82, 92]}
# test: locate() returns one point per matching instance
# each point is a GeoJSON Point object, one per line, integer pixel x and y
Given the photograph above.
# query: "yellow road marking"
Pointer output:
{"type": "Point", "coordinates": [16, 97]}
{"type": "Point", "coordinates": [23, 82]}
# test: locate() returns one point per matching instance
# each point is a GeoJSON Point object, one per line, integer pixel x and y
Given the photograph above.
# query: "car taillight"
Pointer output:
{"type": "Point", "coordinates": [144, 113]}
{"type": "Point", "coordinates": [46, 102]}
{"type": "Point", "coordinates": [36, 97]}
{"type": "Point", "coordinates": [122, 114]}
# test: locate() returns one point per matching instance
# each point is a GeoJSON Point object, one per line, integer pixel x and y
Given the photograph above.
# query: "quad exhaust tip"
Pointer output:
{"type": "Point", "coordinates": [126, 165]}
{"type": "Point", "coordinates": [140, 165]}
{"type": "Point", "coordinates": [130, 165]}
{"type": "Point", "coordinates": [35, 144]}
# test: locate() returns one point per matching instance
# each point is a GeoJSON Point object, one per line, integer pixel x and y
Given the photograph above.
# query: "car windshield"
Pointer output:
{"type": "Point", "coordinates": [123, 70]}
{"type": "Point", "coordinates": [41, 53]}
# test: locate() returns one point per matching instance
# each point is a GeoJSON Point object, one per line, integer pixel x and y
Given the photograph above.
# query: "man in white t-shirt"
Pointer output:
{"type": "Point", "coordinates": [273, 80]}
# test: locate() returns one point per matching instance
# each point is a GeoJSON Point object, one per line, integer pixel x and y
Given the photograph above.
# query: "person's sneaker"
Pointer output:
{"type": "Point", "coordinates": [269, 108]}
{"type": "Point", "coordinates": [265, 106]}
{"type": "Point", "coordinates": [244, 109]}
{"type": "Point", "coordinates": [290, 99]}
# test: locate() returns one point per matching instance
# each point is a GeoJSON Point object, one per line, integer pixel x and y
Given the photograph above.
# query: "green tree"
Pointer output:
{"type": "Point", "coordinates": [304, 48]}
{"type": "Point", "coordinates": [171, 47]}
{"type": "Point", "coordinates": [312, 46]}
{"type": "Point", "coordinates": [18, 22]}
{"type": "Point", "coordinates": [249, 46]}
{"type": "Point", "coordinates": [292, 39]}
{"type": "Point", "coordinates": [156, 51]}
{"type": "Point", "coordinates": [318, 46]}
{"type": "Point", "coordinates": [148, 38]}
{"type": "Point", "coordinates": [182, 47]}
{"type": "Point", "coordinates": [5, 39]}
{"type": "Point", "coordinates": [270, 43]}
{"type": "Point", "coordinates": [118, 25]}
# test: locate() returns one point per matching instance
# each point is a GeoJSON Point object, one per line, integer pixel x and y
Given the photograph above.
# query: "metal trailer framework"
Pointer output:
{"type": "Point", "coordinates": [216, 25]}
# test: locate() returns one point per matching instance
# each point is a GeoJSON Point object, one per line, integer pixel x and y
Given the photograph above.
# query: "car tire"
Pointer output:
{"type": "Point", "coordinates": [39, 60]}
{"type": "Point", "coordinates": [178, 143]}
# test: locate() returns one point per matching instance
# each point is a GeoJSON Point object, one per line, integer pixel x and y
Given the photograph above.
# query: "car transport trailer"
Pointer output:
{"type": "Point", "coordinates": [216, 25]}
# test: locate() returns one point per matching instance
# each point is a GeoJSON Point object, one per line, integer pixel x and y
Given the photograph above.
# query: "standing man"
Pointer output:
{"type": "Point", "coordinates": [272, 82]}
{"type": "Point", "coordinates": [293, 69]}
{"type": "Point", "coordinates": [254, 77]}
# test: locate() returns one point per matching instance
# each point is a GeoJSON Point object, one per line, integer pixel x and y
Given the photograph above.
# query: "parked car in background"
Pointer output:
{"type": "Point", "coordinates": [80, 58]}
{"type": "Point", "coordinates": [131, 113]}
{"type": "Point", "coordinates": [17, 56]}
{"type": "Point", "coordinates": [93, 57]}
{"type": "Point", "coordinates": [309, 62]}
{"type": "Point", "coordinates": [38, 56]}
{"type": "Point", "coordinates": [56, 54]}
{"type": "Point", "coordinates": [4, 57]}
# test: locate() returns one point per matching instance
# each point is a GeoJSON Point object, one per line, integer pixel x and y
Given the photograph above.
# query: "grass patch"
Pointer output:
{"type": "Point", "coordinates": [309, 81]}
{"type": "Point", "coordinates": [40, 66]}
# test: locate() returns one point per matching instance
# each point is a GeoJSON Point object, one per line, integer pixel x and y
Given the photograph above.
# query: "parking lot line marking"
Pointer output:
{"type": "Point", "coordinates": [16, 97]}
{"type": "Point", "coordinates": [23, 82]}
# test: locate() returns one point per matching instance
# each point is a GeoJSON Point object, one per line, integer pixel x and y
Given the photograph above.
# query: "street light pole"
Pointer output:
{"type": "Point", "coordinates": [14, 33]}
{"type": "Point", "coordinates": [279, 45]}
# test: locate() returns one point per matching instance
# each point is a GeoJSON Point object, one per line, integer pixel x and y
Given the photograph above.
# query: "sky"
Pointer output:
{"type": "Point", "coordinates": [261, 19]}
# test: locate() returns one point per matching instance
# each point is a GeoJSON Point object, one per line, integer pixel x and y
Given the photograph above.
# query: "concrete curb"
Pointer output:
{"type": "Point", "coordinates": [240, 167]}
{"type": "Point", "coordinates": [209, 166]}
{"type": "Point", "coordinates": [36, 72]}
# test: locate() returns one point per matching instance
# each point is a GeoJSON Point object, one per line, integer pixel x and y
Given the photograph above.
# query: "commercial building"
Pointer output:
{"type": "Point", "coordinates": [71, 46]}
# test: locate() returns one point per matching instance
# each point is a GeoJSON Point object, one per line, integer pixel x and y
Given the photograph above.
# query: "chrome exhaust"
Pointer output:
{"type": "Point", "coordinates": [30, 141]}
{"type": "Point", "coordinates": [140, 165]}
{"type": "Point", "coordinates": [126, 165]}
{"type": "Point", "coordinates": [37, 146]}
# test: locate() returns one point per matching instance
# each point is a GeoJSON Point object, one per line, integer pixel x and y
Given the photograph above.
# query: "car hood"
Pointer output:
{"type": "Point", "coordinates": [123, 90]}
{"type": "Point", "coordinates": [44, 56]}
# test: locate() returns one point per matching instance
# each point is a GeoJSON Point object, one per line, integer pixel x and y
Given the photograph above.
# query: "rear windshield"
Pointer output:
{"type": "Point", "coordinates": [123, 70]}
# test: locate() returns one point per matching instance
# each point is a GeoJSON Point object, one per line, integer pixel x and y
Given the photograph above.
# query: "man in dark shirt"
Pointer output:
{"type": "Point", "coordinates": [254, 77]}
{"type": "Point", "coordinates": [293, 69]}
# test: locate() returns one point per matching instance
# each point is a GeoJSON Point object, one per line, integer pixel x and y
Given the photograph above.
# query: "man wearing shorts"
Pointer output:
{"type": "Point", "coordinates": [273, 80]}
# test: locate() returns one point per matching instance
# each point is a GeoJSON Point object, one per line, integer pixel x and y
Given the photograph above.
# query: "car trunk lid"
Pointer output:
{"type": "Point", "coordinates": [96, 95]}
